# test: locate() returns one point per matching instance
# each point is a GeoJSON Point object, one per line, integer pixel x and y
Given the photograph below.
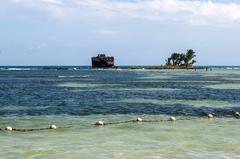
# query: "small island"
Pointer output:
{"type": "Point", "coordinates": [177, 61]}
{"type": "Point", "coordinates": [181, 60]}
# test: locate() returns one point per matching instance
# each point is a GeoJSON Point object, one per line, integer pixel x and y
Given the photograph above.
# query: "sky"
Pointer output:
{"type": "Point", "coordinates": [135, 32]}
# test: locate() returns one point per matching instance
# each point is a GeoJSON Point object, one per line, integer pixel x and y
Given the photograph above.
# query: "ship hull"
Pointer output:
{"type": "Point", "coordinates": [102, 62]}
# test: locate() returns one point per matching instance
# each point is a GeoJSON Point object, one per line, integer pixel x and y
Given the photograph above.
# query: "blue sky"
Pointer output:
{"type": "Point", "coordinates": [136, 32]}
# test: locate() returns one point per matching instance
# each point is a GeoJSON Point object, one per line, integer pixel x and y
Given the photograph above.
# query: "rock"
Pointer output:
{"type": "Point", "coordinates": [210, 116]}
{"type": "Point", "coordinates": [8, 128]}
{"type": "Point", "coordinates": [53, 127]}
{"type": "Point", "coordinates": [172, 119]}
{"type": "Point", "coordinates": [103, 61]}
{"type": "Point", "coordinates": [99, 123]}
{"type": "Point", "coordinates": [139, 119]}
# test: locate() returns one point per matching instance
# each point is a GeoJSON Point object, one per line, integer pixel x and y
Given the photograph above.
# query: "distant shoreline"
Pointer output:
{"type": "Point", "coordinates": [117, 68]}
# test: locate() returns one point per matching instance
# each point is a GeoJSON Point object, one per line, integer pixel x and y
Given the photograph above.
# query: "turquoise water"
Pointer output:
{"type": "Point", "coordinates": [39, 98]}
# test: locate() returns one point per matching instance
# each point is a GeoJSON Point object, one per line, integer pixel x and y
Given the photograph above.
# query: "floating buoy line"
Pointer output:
{"type": "Point", "coordinates": [102, 123]}
{"type": "Point", "coordinates": [9, 128]}
{"type": "Point", "coordinates": [137, 120]}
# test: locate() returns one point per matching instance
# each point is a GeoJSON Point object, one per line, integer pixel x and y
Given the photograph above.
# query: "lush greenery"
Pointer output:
{"type": "Point", "coordinates": [181, 59]}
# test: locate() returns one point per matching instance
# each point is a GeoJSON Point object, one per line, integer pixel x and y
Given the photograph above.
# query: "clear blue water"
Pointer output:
{"type": "Point", "coordinates": [37, 98]}
{"type": "Point", "coordinates": [45, 88]}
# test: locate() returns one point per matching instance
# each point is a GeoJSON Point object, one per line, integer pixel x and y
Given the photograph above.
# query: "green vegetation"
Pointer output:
{"type": "Point", "coordinates": [181, 59]}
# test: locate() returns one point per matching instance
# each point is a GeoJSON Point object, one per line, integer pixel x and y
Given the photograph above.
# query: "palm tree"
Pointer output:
{"type": "Point", "coordinates": [193, 62]}
{"type": "Point", "coordinates": [183, 59]}
{"type": "Point", "coordinates": [176, 59]}
{"type": "Point", "coordinates": [168, 62]}
{"type": "Point", "coordinates": [189, 57]}
{"type": "Point", "coordinates": [180, 59]}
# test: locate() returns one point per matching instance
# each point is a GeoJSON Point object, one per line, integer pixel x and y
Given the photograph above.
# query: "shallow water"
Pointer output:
{"type": "Point", "coordinates": [225, 86]}
{"type": "Point", "coordinates": [35, 99]}
{"type": "Point", "coordinates": [195, 103]}
{"type": "Point", "coordinates": [196, 138]}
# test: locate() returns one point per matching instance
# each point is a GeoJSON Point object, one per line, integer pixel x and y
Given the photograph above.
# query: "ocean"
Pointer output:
{"type": "Point", "coordinates": [75, 99]}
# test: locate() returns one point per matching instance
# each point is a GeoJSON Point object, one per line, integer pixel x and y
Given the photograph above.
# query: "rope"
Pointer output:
{"type": "Point", "coordinates": [119, 122]}
{"type": "Point", "coordinates": [37, 129]}
{"type": "Point", "coordinates": [139, 120]}
{"type": "Point", "coordinates": [136, 121]}
{"type": "Point", "coordinates": [34, 129]}
{"type": "Point", "coordinates": [24, 130]}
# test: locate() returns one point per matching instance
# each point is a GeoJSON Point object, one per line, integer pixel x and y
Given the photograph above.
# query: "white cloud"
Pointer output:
{"type": "Point", "coordinates": [55, 2]}
{"type": "Point", "coordinates": [37, 46]}
{"type": "Point", "coordinates": [195, 12]}
{"type": "Point", "coordinates": [53, 8]}
{"type": "Point", "coordinates": [106, 32]}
